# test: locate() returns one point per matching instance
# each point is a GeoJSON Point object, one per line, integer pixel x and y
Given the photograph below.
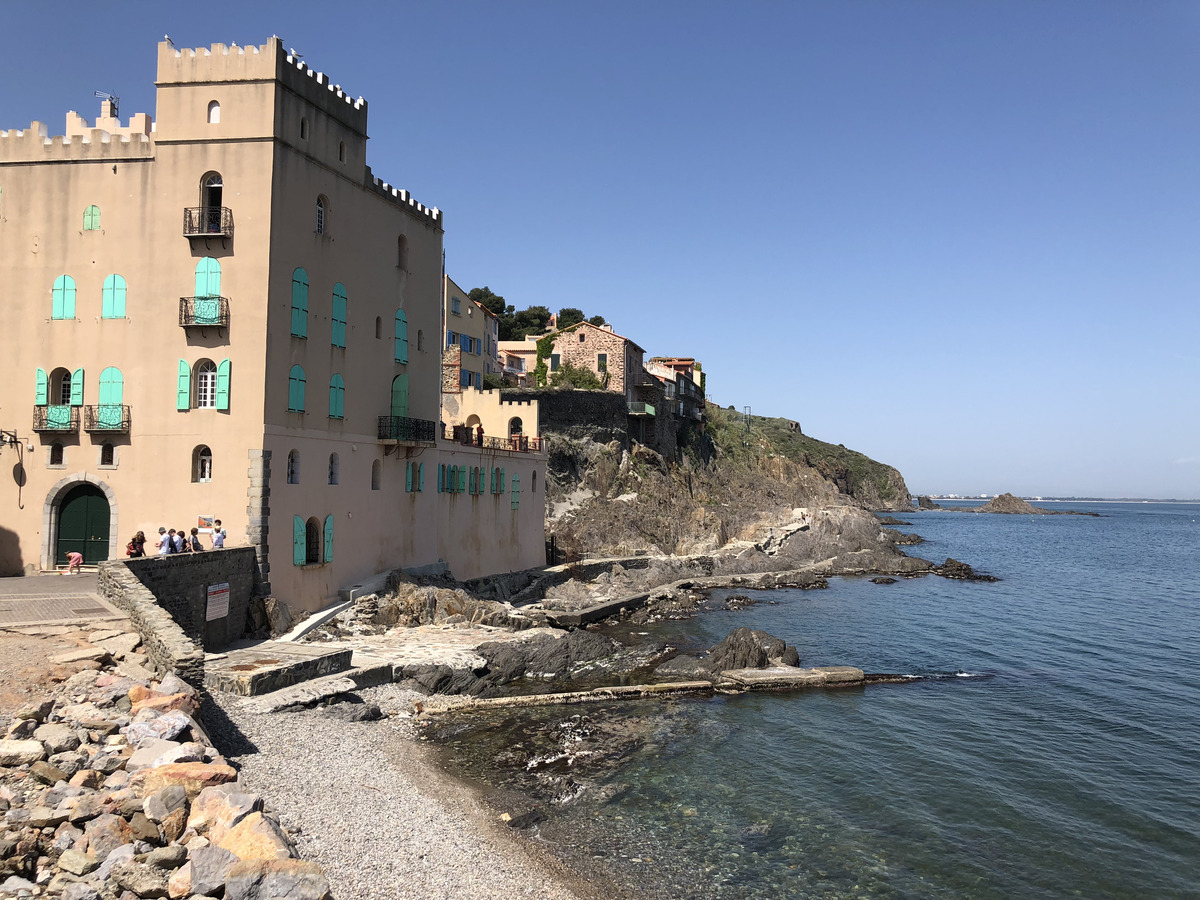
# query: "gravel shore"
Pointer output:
{"type": "Point", "coordinates": [366, 802]}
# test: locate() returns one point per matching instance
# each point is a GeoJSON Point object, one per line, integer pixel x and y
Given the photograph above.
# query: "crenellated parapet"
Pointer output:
{"type": "Point", "coordinates": [34, 144]}
{"type": "Point", "coordinates": [401, 197]}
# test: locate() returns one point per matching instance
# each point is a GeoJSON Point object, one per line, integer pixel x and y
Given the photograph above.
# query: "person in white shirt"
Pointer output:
{"type": "Point", "coordinates": [164, 542]}
{"type": "Point", "coordinates": [218, 535]}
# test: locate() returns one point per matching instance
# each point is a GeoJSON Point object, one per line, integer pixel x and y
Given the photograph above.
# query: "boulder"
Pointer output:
{"type": "Point", "coordinates": [256, 837]}
{"type": "Point", "coordinates": [77, 863]}
{"type": "Point", "coordinates": [85, 654]}
{"type": "Point", "coordinates": [193, 777]}
{"type": "Point", "coordinates": [744, 648]}
{"type": "Point", "coordinates": [181, 701]}
{"type": "Point", "coordinates": [143, 829]}
{"type": "Point", "coordinates": [163, 802]}
{"type": "Point", "coordinates": [36, 712]}
{"type": "Point", "coordinates": [19, 753]}
{"type": "Point", "coordinates": [69, 761]}
{"type": "Point", "coordinates": [141, 879]}
{"type": "Point", "coordinates": [120, 644]}
{"type": "Point", "coordinates": [87, 778]}
{"type": "Point", "coordinates": [208, 869]}
{"type": "Point", "coordinates": [105, 834]}
{"type": "Point", "coordinates": [47, 774]}
{"type": "Point", "coordinates": [216, 810]}
{"type": "Point", "coordinates": [167, 857]}
{"type": "Point", "coordinates": [174, 825]}
{"type": "Point", "coordinates": [80, 890]}
{"type": "Point", "coordinates": [293, 879]}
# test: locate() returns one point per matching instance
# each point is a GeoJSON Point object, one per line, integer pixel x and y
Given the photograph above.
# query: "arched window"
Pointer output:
{"type": "Point", "coordinates": [400, 395]}
{"type": "Point", "coordinates": [514, 427]}
{"type": "Point", "coordinates": [214, 112]}
{"type": "Point", "coordinates": [303, 129]}
{"type": "Point", "coordinates": [201, 464]}
{"type": "Point", "coordinates": [337, 397]}
{"type": "Point", "coordinates": [206, 385]}
{"type": "Point", "coordinates": [379, 328]}
{"type": "Point", "coordinates": [300, 303]}
{"type": "Point", "coordinates": [112, 305]}
{"type": "Point", "coordinates": [91, 218]}
{"type": "Point", "coordinates": [211, 189]}
{"type": "Point", "coordinates": [312, 542]}
{"type": "Point", "coordinates": [420, 339]}
{"type": "Point", "coordinates": [63, 294]}
{"type": "Point", "coordinates": [56, 454]}
{"type": "Point", "coordinates": [334, 468]}
{"type": "Point", "coordinates": [401, 347]}
{"type": "Point", "coordinates": [376, 474]}
{"type": "Point", "coordinates": [321, 215]}
{"type": "Point", "coordinates": [296, 390]}
{"type": "Point", "coordinates": [402, 252]}
{"type": "Point", "coordinates": [63, 389]}
{"type": "Point", "coordinates": [338, 328]}
{"type": "Point", "coordinates": [341, 151]}
{"type": "Point", "coordinates": [107, 454]}
{"type": "Point", "coordinates": [293, 467]}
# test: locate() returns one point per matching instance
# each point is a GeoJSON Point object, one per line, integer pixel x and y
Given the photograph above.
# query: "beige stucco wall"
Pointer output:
{"type": "Point", "coordinates": [487, 409]}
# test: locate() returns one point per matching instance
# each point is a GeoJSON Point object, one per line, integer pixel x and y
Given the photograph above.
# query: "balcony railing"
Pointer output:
{"type": "Point", "coordinates": [640, 409]}
{"type": "Point", "coordinates": [402, 428]}
{"type": "Point", "coordinates": [56, 418]}
{"type": "Point", "coordinates": [208, 221]}
{"type": "Point", "coordinates": [470, 437]}
{"type": "Point", "coordinates": [212, 312]}
{"type": "Point", "coordinates": [106, 417]}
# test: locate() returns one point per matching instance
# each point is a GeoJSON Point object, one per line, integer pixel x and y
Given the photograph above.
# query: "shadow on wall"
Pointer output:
{"type": "Point", "coordinates": [10, 553]}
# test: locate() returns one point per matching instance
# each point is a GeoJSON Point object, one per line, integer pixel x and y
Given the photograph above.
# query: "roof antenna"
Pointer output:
{"type": "Point", "coordinates": [116, 101]}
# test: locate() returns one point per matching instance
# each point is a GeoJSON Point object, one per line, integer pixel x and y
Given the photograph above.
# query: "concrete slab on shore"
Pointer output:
{"type": "Point", "coordinates": [270, 665]}
{"type": "Point", "coordinates": [781, 678]}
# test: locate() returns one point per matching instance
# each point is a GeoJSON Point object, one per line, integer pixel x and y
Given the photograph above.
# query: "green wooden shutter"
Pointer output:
{"type": "Point", "coordinates": [421, 477]}
{"type": "Point", "coordinates": [41, 395]}
{"type": "Point", "coordinates": [502, 480]}
{"type": "Point", "coordinates": [299, 544]}
{"type": "Point", "coordinates": [471, 480]}
{"type": "Point", "coordinates": [400, 395]}
{"type": "Point", "coordinates": [300, 303]}
{"type": "Point", "coordinates": [63, 298]}
{"type": "Point", "coordinates": [462, 479]}
{"type": "Point", "coordinates": [516, 491]}
{"type": "Point", "coordinates": [441, 478]}
{"type": "Point", "coordinates": [329, 538]}
{"type": "Point", "coordinates": [208, 277]}
{"type": "Point", "coordinates": [112, 305]}
{"type": "Point", "coordinates": [223, 384]}
{"type": "Point", "coordinates": [183, 388]}
{"type": "Point", "coordinates": [408, 476]}
{"type": "Point", "coordinates": [338, 337]}
{"type": "Point", "coordinates": [296, 382]}
{"type": "Point", "coordinates": [77, 387]}
{"type": "Point", "coordinates": [337, 395]}
{"type": "Point", "coordinates": [401, 350]}
{"type": "Point", "coordinates": [91, 218]}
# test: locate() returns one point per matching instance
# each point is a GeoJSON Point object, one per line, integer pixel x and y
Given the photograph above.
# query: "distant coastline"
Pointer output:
{"type": "Point", "coordinates": [960, 498]}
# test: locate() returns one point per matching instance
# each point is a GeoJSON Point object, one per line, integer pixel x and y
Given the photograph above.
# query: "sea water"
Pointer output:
{"type": "Point", "coordinates": [1053, 752]}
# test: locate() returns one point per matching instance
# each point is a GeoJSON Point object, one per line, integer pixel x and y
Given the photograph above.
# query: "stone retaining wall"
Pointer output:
{"type": "Point", "coordinates": [166, 645]}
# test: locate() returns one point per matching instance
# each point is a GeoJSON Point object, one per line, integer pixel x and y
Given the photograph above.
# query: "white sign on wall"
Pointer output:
{"type": "Point", "coordinates": [218, 601]}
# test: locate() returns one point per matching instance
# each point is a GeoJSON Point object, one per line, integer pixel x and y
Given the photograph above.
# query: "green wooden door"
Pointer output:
{"type": "Point", "coordinates": [83, 525]}
{"type": "Point", "coordinates": [208, 291]}
{"type": "Point", "coordinates": [400, 395]}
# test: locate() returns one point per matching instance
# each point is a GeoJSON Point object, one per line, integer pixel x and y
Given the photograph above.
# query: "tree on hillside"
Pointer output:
{"type": "Point", "coordinates": [597, 321]}
{"type": "Point", "coordinates": [568, 316]}
{"type": "Point", "coordinates": [494, 303]}
{"type": "Point", "coordinates": [532, 320]}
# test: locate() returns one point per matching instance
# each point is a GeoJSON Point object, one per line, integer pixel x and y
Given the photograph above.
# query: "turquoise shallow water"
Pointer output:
{"type": "Point", "coordinates": [1071, 769]}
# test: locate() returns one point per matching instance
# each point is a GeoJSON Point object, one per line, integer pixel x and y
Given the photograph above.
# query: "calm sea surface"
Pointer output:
{"type": "Point", "coordinates": [1068, 766]}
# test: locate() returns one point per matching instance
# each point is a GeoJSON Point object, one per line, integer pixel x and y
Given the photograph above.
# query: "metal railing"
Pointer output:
{"type": "Point", "coordinates": [470, 437]}
{"type": "Point", "coordinates": [208, 221]}
{"type": "Point", "coordinates": [56, 418]}
{"type": "Point", "coordinates": [402, 428]}
{"type": "Point", "coordinates": [204, 311]}
{"type": "Point", "coordinates": [106, 417]}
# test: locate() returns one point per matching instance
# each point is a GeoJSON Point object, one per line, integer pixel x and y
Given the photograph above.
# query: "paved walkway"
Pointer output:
{"type": "Point", "coordinates": [53, 600]}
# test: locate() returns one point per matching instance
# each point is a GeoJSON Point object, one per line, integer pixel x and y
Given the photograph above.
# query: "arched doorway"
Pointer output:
{"type": "Point", "coordinates": [83, 525]}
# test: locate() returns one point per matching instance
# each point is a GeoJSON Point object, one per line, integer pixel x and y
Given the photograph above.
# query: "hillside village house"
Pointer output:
{"type": "Point", "coordinates": [221, 312]}
{"type": "Point", "coordinates": [683, 384]}
{"type": "Point", "coordinates": [472, 335]}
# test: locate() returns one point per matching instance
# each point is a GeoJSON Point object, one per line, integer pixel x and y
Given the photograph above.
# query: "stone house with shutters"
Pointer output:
{"type": "Point", "coordinates": [220, 312]}
{"type": "Point", "coordinates": [616, 360]}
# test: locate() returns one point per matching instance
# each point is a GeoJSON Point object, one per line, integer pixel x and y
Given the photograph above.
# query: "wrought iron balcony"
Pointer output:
{"type": "Point", "coordinates": [470, 437]}
{"type": "Point", "coordinates": [106, 417]}
{"type": "Point", "coordinates": [202, 312]}
{"type": "Point", "coordinates": [640, 409]}
{"type": "Point", "coordinates": [56, 418]}
{"type": "Point", "coordinates": [208, 221]}
{"type": "Point", "coordinates": [402, 428]}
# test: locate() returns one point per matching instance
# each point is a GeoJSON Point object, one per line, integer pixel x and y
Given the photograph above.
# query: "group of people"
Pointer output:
{"type": "Point", "coordinates": [172, 541]}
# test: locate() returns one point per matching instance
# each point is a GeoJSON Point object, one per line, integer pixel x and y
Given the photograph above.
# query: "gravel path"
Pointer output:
{"type": "Point", "coordinates": [379, 816]}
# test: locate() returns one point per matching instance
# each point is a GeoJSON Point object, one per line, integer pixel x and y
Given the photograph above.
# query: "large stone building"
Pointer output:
{"type": "Point", "coordinates": [220, 312]}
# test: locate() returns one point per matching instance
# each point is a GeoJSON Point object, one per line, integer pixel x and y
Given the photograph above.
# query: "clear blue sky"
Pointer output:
{"type": "Point", "coordinates": [962, 237]}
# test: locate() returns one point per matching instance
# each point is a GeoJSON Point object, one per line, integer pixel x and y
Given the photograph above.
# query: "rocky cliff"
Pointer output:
{"type": "Point", "coordinates": [726, 483]}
